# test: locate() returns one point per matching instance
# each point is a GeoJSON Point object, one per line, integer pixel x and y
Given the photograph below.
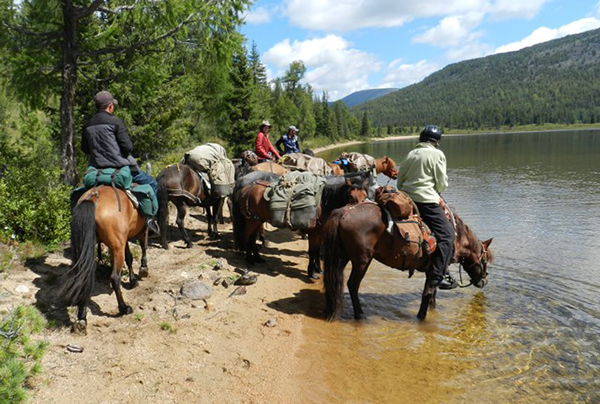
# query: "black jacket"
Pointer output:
{"type": "Point", "coordinates": [106, 140]}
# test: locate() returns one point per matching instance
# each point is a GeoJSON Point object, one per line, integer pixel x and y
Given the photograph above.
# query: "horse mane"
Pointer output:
{"type": "Point", "coordinates": [335, 193]}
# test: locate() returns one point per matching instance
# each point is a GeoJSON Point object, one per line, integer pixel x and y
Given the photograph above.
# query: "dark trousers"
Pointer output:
{"type": "Point", "coordinates": [434, 217]}
{"type": "Point", "coordinates": [142, 178]}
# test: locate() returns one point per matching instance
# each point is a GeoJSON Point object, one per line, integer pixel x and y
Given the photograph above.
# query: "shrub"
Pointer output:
{"type": "Point", "coordinates": [33, 201]}
{"type": "Point", "coordinates": [20, 356]}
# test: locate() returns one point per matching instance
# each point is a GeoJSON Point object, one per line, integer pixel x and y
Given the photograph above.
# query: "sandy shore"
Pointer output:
{"type": "Point", "coordinates": [237, 346]}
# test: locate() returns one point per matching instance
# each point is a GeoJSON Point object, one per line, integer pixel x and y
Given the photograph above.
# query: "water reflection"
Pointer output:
{"type": "Point", "coordinates": [531, 335]}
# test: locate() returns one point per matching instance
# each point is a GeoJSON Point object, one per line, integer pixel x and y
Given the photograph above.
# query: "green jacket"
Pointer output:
{"type": "Point", "coordinates": [422, 174]}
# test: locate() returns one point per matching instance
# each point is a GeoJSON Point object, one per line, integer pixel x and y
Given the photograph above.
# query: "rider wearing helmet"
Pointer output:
{"type": "Point", "coordinates": [423, 177]}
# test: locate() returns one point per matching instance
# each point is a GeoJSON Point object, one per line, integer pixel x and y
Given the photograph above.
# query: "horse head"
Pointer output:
{"type": "Point", "coordinates": [475, 262]}
{"type": "Point", "coordinates": [389, 167]}
{"type": "Point", "coordinates": [249, 158]}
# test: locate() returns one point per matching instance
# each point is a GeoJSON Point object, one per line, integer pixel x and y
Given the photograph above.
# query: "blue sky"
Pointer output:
{"type": "Point", "coordinates": [351, 45]}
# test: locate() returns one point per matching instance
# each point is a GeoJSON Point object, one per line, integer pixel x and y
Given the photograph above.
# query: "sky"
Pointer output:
{"type": "Point", "coordinates": [352, 45]}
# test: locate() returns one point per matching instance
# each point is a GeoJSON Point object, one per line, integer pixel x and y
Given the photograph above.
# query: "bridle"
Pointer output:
{"type": "Point", "coordinates": [481, 262]}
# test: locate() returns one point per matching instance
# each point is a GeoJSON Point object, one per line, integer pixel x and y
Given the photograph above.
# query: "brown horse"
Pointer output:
{"type": "Point", "coordinates": [251, 210]}
{"type": "Point", "coordinates": [358, 234]}
{"type": "Point", "coordinates": [183, 186]}
{"type": "Point", "coordinates": [383, 165]}
{"type": "Point", "coordinates": [104, 215]}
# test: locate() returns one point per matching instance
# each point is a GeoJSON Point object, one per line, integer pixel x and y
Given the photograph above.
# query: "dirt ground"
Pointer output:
{"type": "Point", "coordinates": [237, 346]}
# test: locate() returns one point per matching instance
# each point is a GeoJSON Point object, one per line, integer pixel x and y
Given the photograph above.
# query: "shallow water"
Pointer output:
{"type": "Point", "coordinates": [531, 335]}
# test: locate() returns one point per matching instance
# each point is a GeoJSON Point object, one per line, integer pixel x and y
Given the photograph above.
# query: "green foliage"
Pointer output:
{"type": "Point", "coordinates": [553, 82]}
{"type": "Point", "coordinates": [20, 355]}
{"type": "Point", "coordinates": [33, 201]}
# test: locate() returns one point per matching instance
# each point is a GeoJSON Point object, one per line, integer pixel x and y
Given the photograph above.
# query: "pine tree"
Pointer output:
{"type": "Point", "coordinates": [364, 127]}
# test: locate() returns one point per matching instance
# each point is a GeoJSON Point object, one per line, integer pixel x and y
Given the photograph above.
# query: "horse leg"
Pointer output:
{"type": "Point", "coordinates": [359, 269]}
{"type": "Point", "coordinates": [251, 230]}
{"type": "Point", "coordinates": [212, 217]}
{"type": "Point", "coordinates": [80, 326]}
{"type": "Point", "coordinates": [220, 215]}
{"type": "Point", "coordinates": [181, 213]}
{"type": "Point", "coordinates": [144, 261]}
{"type": "Point", "coordinates": [314, 252]}
{"type": "Point", "coordinates": [426, 299]}
{"type": "Point", "coordinates": [133, 282]}
{"type": "Point", "coordinates": [118, 254]}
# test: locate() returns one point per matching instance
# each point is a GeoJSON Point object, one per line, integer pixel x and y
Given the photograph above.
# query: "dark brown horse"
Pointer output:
{"type": "Point", "coordinates": [358, 234]}
{"type": "Point", "coordinates": [251, 210]}
{"type": "Point", "coordinates": [181, 185]}
{"type": "Point", "coordinates": [101, 216]}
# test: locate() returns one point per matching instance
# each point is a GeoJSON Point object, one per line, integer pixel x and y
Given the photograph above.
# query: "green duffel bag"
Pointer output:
{"type": "Point", "coordinates": [147, 199]}
{"type": "Point", "coordinates": [106, 176]}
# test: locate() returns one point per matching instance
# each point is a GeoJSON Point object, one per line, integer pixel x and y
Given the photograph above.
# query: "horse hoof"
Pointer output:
{"type": "Point", "coordinates": [189, 245]}
{"type": "Point", "coordinates": [165, 246]}
{"type": "Point", "coordinates": [143, 272]}
{"type": "Point", "coordinates": [79, 327]}
{"type": "Point", "coordinates": [318, 271]}
{"type": "Point", "coordinates": [125, 310]}
{"type": "Point", "coordinates": [133, 283]}
{"type": "Point", "coordinates": [313, 276]}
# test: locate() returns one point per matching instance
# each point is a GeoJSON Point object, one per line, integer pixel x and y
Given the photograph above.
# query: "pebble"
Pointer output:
{"type": "Point", "coordinates": [196, 290]}
{"type": "Point", "coordinates": [22, 289]}
{"type": "Point", "coordinates": [271, 323]}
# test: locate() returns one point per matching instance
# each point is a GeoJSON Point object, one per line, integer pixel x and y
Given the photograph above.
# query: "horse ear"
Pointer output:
{"type": "Point", "coordinates": [487, 243]}
{"type": "Point", "coordinates": [386, 158]}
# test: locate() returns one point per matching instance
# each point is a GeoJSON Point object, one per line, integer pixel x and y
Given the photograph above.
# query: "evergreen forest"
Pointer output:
{"type": "Point", "coordinates": [553, 82]}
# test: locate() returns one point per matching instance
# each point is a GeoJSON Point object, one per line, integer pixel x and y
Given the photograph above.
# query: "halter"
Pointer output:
{"type": "Point", "coordinates": [481, 262]}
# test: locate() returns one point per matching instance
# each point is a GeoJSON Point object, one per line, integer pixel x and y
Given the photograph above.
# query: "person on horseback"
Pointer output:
{"type": "Point", "coordinates": [289, 142]}
{"type": "Point", "coordinates": [423, 177]}
{"type": "Point", "coordinates": [106, 141]}
{"type": "Point", "coordinates": [263, 147]}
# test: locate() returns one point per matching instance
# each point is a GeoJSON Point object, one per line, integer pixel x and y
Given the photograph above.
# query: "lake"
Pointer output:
{"type": "Point", "coordinates": [530, 336]}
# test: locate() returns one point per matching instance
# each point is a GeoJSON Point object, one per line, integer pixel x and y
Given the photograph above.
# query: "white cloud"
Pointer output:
{"type": "Point", "coordinates": [452, 31]}
{"type": "Point", "coordinates": [332, 65]}
{"type": "Point", "coordinates": [470, 50]}
{"type": "Point", "coordinates": [544, 34]}
{"type": "Point", "coordinates": [505, 9]}
{"type": "Point", "coordinates": [259, 15]}
{"type": "Point", "coordinates": [328, 15]}
{"type": "Point", "coordinates": [401, 75]}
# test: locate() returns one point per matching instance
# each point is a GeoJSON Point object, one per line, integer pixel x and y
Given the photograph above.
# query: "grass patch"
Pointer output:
{"type": "Point", "coordinates": [138, 316]}
{"type": "Point", "coordinates": [6, 259]}
{"type": "Point", "coordinates": [166, 326]}
{"type": "Point", "coordinates": [20, 355]}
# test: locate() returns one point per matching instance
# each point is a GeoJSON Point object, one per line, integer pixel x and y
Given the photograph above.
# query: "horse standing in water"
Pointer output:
{"type": "Point", "coordinates": [358, 234]}
{"type": "Point", "coordinates": [251, 210]}
{"type": "Point", "coordinates": [183, 186]}
{"type": "Point", "coordinates": [104, 215]}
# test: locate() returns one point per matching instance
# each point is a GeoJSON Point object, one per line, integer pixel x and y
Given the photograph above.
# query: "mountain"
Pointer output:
{"type": "Point", "coordinates": [553, 82]}
{"type": "Point", "coordinates": [358, 97]}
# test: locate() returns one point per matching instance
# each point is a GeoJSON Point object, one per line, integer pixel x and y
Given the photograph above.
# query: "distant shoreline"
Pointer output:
{"type": "Point", "coordinates": [413, 137]}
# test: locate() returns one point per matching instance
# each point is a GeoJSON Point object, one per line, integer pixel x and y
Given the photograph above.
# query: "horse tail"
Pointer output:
{"type": "Point", "coordinates": [78, 286]}
{"type": "Point", "coordinates": [335, 259]}
{"type": "Point", "coordinates": [163, 207]}
{"type": "Point", "coordinates": [239, 221]}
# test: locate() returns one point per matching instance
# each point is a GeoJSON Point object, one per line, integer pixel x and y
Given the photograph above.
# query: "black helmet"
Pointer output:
{"type": "Point", "coordinates": [430, 132]}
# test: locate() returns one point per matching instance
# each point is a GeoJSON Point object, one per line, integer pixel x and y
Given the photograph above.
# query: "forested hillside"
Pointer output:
{"type": "Point", "coordinates": [553, 82]}
{"type": "Point", "coordinates": [358, 97]}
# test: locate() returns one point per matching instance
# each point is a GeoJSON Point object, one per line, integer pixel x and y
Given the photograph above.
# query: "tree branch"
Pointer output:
{"type": "Point", "coordinates": [117, 10]}
{"type": "Point", "coordinates": [142, 44]}
{"type": "Point", "coordinates": [82, 12]}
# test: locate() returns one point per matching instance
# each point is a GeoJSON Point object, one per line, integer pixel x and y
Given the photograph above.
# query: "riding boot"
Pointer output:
{"type": "Point", "coordinates": [445, 282]}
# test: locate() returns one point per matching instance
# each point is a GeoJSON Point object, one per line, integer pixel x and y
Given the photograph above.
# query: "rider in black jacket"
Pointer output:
{"type": "Point", "coordinates": [106, 140]}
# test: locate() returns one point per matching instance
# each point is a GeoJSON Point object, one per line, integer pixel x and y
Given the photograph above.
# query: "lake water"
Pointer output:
{"type": "Point", "coordinates": [532, 335]}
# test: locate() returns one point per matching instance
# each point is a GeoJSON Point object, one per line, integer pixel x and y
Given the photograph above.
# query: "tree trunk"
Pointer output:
{"type": "Point", "coordinates": [67, 99]}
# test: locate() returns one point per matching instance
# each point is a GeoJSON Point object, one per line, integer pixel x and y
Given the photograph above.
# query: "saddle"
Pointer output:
{"type": "Point", "coordinates": [412, 237]}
